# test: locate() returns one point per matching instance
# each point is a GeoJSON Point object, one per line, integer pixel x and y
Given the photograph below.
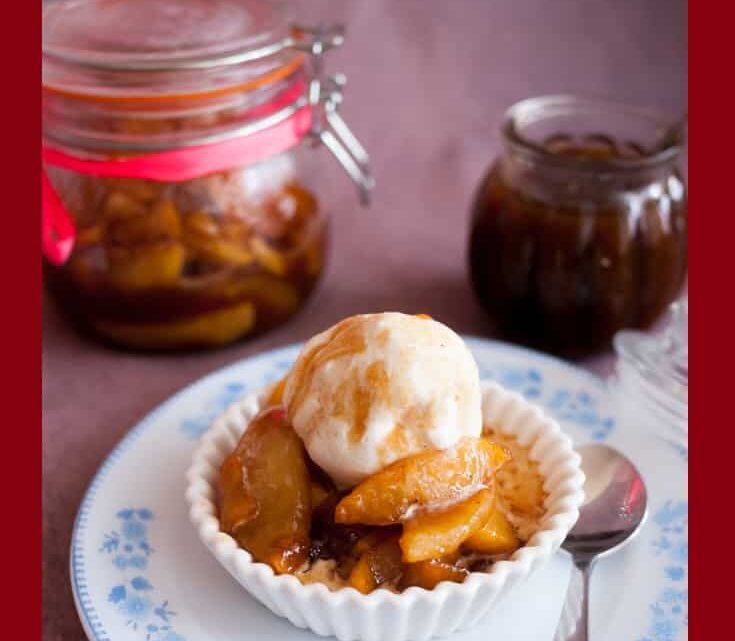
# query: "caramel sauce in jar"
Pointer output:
{"type": "Point", "coordinates": [577, 236]}
{"type": "Point", "coordinates": [193, 264]}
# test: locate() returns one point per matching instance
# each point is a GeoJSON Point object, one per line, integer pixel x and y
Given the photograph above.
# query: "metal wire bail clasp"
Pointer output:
{"type": "Point", "coordinates": [325, 96]}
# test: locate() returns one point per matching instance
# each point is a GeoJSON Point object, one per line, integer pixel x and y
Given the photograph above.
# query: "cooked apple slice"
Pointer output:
{"type": "Point", "coordinates": [237, 506]}
{"type": "Point", "coordinates": [204, 235]}
{"type": "Point", "coordinates": [437, 477]}
{"type": "Point", "coordinates": [376, 566]}
{"type": "Point", "coordinates": [435, 533]}
{"type": "Point", "coordinates": [275, 476]}
{"type": "Point", "coordinates": [148, 265]}
{"type": "Point", "coordinates": [496, 536]}
{"type": "Point", "coordinates": [428, 574]}
{"type": "Point", "coordinates": [276, 295]}
{"type": "Point", "coordinates": [121, 206]}
{"type": "Point", "coordinates": [271, 259]}
{"type": "Point", "coordinates": [160, 222]}
{"type": "Point", "coordinates": [213, 328]}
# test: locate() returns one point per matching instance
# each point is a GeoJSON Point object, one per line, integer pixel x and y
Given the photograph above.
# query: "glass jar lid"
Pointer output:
{"type": "Point", "coordinates": [135, 33]}
{"type": "Point", "coordinates": [130, 47]}
{"type": "Point", "coordinates": [124, 78]}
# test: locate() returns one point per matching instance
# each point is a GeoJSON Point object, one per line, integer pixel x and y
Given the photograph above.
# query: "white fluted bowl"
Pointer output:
{"type": "Point", "coordinates": [416, 613]}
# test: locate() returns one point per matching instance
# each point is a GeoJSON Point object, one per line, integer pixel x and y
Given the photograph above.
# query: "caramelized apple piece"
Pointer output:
{"type": "Point", "coordinates": [496, 536]}
{"type": "Point", "coordinates": [378, 565]}
{"type": "Point", "coordinates": [303, 209]}
{"type": "Point", "coordinates": [201, 224]}
{"type": "Point", "coordinates": [284, 218]}
{"type": "Point", "coordinates": [223, 252]}
{"type": "Point", "coordinates": [234, 229]}
{"type": "Point", "coordinates": [271, 259]}
{"type": "Point", "coordinates": [160, 222]}
{"type": "Point", "coordinates": [277, 478]}
{"type": "Point", "coordinates": [120, 206]}
{"type": "Point", "coordinates": [275, 297]}
{"type": "Point", "coordinates": [428, 574]}
{"type": "Point", "coordinates": [435, 533]}
{"type": "Point", "coordinates": [278, 295]}
{"type": "Point", "coordinates": [203, 236]}
{"type": "Point", "coordinates": [424, 480]}
{"type": "Point", "coordinates": [150, 265]}
{"type": "Point", "coordinates": [237, 506]}
{"type": "Point", "coordinates": [210, 329]}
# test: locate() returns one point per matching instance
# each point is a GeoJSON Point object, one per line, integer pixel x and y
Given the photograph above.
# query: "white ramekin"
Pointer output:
{"type": "Point", "coordinates": [416, 613]}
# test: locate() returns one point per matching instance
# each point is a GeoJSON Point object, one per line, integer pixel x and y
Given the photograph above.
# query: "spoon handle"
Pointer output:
{"type": "Point", "coordinates": [574, 622]}
{"type": "Point", "coordinates": [571, 608]}
{"type": "Point", "coordinates": [582, 632]}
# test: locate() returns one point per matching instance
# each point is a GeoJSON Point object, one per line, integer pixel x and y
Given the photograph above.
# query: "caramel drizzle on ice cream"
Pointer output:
{"type": "Point", "coordinates": [345, 339]}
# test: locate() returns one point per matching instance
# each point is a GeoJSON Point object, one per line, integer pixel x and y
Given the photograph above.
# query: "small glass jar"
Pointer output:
{"type": "Point", "coordinates": [652, 377]}
{"type": "Point", "coordinates": [580, 227]}
{"type": "Point", "coordinates": [181, 208]}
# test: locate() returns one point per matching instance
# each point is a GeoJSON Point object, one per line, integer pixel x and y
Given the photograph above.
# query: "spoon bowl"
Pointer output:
{"type": "Point", "coordinates": [614, 509]}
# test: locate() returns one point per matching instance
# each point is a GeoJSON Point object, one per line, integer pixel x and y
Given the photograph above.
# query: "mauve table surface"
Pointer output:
{"type": "Point", "coordinates": [429, 82]}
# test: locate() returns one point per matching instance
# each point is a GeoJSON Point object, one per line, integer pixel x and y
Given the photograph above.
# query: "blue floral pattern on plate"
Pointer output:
{"type": "Point", "coordinates": [566, 405]}
{"type": "Point", "coordinates": [134, 596]}
{"type": "Point", "coordinates": [580, 408]}
{"type": "Point", "coordinates": [670, 613]}
{"type": "Point", "coordinates": [194, 426]}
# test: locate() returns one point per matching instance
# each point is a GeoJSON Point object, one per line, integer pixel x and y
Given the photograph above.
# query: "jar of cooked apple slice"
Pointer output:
{"type": "Point", "coordinates": [180, 206]}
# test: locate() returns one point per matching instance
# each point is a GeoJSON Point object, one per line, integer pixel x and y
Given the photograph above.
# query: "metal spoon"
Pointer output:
{"type": "Point", "coordinates": [613, 511]}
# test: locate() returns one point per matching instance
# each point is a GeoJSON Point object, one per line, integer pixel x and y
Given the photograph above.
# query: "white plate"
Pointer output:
{"type": "Point", "coordinates": [139, 572]}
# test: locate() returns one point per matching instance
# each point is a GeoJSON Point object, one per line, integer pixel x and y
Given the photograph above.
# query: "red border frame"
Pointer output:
{"type": "Point", "coordinates": [711, 234]}
{"type": "Point", "coordinates": [21, 318]}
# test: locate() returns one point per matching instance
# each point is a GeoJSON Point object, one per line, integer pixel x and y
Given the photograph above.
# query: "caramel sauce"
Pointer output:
{"type": "Point", "coordinates": [375, 390]}
{"type": "Point", "coordinates": [345, 339]}
{"type": "Point", "coordinates": [563, 260]}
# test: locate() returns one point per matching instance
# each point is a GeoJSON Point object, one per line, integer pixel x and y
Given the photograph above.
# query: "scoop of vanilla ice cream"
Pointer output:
{"type": "Point", "coordinates": [376, 388]}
